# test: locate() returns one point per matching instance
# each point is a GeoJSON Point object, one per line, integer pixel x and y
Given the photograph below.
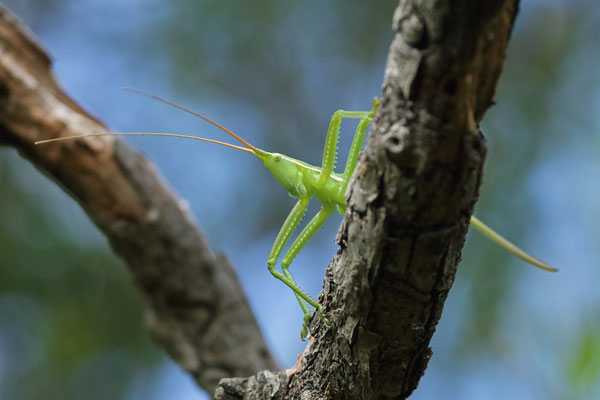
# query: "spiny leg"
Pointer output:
{"type": "Point", "coordinates": [285, 232]}
{"type": "Point", "coordinates": [330, 151]}
{"type": "Point", "coordinates": [304, 237]}
{"type": "Point", "coordinates": [357, 143]}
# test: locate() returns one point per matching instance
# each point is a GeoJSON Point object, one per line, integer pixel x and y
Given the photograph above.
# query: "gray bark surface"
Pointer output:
{"type": "Point", "coordinates": [197, 308]}
{"type": "Point", "coordinates": [410, 202]}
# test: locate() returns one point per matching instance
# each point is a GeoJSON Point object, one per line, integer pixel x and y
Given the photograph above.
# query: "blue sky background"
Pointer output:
{"type": "Point", "coordinates": [274, 72]}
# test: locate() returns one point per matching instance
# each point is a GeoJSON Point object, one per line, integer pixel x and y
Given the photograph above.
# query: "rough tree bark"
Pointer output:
{"type": "Point", "coordinates": [410, 202]}
{"type": "Point", "coordinates": [409, 205]}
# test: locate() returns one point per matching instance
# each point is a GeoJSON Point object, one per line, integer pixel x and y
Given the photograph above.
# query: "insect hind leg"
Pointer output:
{"type": "Point", "coordinates": [357, 143]}
{"type": "Point", "coordinates": [333, 133]}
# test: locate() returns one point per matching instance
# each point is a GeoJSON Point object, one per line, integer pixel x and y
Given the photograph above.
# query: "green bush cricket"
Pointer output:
{"type": "Point", "coordinates": [303, 182]}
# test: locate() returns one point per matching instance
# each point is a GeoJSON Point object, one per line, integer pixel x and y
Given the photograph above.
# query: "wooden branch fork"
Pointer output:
{"type": "Point", "coordinates": [410, 201]}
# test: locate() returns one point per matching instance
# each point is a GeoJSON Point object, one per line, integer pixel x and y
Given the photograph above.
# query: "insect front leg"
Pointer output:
{"type": "Point", "coordinates": [304, 237]}
{"type": "Point", "coordinates": [283, 237]}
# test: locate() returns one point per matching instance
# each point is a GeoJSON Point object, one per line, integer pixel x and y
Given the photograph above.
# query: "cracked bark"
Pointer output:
{"type": "Point", "coordinates": [197, 308]}
{"type": "Point", "coordinates": [409, 205]}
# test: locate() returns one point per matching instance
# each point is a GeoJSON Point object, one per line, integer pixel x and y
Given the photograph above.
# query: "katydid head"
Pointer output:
{"type": "Point", "coordinates": [285, 170]}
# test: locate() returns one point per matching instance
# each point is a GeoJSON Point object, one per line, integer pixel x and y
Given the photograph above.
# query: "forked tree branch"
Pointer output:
{"type": "Point", "coordinates": [197, 308]}
{"type": "Point", "coordinates": [409, 206]}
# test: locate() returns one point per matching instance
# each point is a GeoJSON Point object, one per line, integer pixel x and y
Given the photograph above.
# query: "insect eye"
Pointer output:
{"type": "Point", "coordinates": [277, 158]}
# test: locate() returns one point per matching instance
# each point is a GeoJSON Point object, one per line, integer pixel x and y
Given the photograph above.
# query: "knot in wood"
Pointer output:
{"type": "Point", "coordinates": [394, 140]}
{"type": "Point", "coordinates": [412, 30]}
{"type": "Point", "coordinates": [411, 26]}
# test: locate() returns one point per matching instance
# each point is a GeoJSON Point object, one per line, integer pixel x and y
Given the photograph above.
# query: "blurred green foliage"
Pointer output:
{"type": "Point", "coordinates": [583, 364]}
{"type": "Point", "coordinates": [68, 310]}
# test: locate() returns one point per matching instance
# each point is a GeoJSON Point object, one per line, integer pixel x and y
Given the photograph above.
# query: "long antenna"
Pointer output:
{"type": "Point", "coordinates": [146, 134]}
{"type": "Point", "coordinates": [182, 108]}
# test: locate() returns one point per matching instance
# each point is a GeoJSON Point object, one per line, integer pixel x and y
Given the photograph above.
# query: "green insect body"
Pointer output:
{"type": "Point", "coordinates": [303, 182]}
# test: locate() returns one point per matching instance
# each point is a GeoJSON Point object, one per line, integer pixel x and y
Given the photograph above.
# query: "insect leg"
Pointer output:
{"type": "Point", "coordinates": [504, 243]}
{"type": "Point", "coordinates": [285, 232]}
{"type": "Point", "coordinates": [288, 227]}
{"type": "Point", "coordinates": [307, 233]}
{"type": "Point", "coordinates": [357, 143]}
{"type": "Point", "coordinates": [330, 151]}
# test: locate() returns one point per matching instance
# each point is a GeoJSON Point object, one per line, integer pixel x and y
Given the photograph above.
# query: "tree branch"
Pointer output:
{"type": "Point", "coordinates": [410, 202]}
{"type": "Point", "coordinates": [409, 206]}
{"type": "Point", "coordinates": [198, 311]}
